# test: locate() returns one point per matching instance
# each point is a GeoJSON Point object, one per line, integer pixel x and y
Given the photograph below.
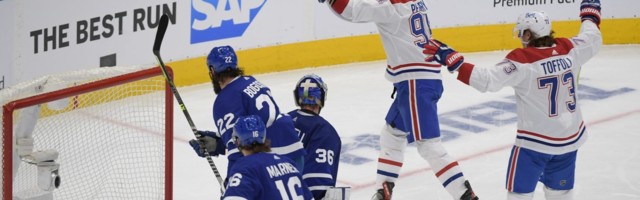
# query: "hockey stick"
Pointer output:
{"type": "Point", "coordinates": [162, 28]}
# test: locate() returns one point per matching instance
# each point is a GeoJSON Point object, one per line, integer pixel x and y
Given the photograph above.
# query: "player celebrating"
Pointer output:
{"type": "Point", "coordinates": [412, 117]}
{"type": "Point", "coordinates": [240, 95]}
{"type": "Point", "coordinates": [319, 138]}
{"type": "Point", "coordinates": [544, 75]}
{"type": "Point", "coordinates": [259, 174]}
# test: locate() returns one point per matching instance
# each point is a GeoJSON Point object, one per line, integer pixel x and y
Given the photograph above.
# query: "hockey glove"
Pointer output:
{"type": "Point", "coordinates": [210, 140]}
{"type": "Point", "coordinates": [444, 55]}
{"type": "Point", "coordinates": [590, 10]}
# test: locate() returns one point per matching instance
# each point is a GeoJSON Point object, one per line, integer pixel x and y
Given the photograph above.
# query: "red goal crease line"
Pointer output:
{"type": "Point", "coordinates": [356, 186]}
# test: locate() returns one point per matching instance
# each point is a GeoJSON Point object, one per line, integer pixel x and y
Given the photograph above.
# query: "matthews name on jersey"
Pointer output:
{"type": "Point", "coordinates": [404, 29]}
{"type": "Point", "coordinates": [265, 176]}
{"type": "Point", "coordinates": [323, 144]}
{"type": "Point", "coordinates": [244, 96]}
{"type": "Point", "coordinates": [545, 81]}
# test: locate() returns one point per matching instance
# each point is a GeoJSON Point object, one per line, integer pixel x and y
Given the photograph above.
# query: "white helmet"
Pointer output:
{"type": "Point", "coordinates": [536, 22]}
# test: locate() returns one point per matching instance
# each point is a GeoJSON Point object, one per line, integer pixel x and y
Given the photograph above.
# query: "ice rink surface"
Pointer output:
{"type": "Point", "coordinates": [478, 129]}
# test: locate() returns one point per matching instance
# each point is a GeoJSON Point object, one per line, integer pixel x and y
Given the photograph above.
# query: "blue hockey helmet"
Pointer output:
{"type": "Point", "coordinates": [249, 130]}
{"type": "Point", "coordinates": [310, 90]}
{"type": "Point", "coordinates": [222, 58]}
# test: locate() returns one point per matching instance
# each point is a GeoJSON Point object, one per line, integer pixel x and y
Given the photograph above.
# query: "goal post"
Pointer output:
{"type": "Point", "coordinates": [112, 136]}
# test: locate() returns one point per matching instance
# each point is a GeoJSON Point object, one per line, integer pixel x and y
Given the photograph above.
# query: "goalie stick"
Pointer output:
{"type": "Point", "coordinates": [162, 28]}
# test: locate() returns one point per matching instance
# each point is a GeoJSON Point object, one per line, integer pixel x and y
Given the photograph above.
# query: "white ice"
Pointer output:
{"type": "Point", "coordinates": [608, 165]}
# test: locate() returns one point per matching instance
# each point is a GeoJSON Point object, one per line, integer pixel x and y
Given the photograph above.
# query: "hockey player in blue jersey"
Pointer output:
{"type": "Point", "coordinates": [240, 95]}
{"type": "Point", "coordinates": [260, 174]}
{"type": "Point", "coordinates": [320, 139]}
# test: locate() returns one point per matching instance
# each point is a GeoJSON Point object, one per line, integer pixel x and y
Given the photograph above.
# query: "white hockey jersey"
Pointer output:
{"type": "Point", "coordinates": [545, 81]}
{"type": "Point", "coordinates": [404, 28]}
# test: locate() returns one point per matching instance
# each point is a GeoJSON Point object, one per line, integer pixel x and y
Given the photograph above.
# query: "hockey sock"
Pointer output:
{"type": "Point", "coordinates": [392, 145]}
{"type": "Point", "coordinates": [444, 166]}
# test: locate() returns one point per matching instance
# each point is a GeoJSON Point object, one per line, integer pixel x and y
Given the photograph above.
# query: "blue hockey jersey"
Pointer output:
{"type": "Point", "coordinates": [323, 144]}
{"type": "Point", "coordinates": [265, 176]}
{"type": "Point", "coordinates": [246, 96]}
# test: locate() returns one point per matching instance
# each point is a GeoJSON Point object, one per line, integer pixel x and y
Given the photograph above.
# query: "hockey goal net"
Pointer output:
{"type": "Point", "coordinates": [111, 129]}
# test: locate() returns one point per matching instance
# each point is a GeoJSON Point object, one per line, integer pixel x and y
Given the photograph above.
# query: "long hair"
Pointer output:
{"type": "Point", "coordinates": [546, 41]}
{"type": "Point", "coordinates": [229, 73]}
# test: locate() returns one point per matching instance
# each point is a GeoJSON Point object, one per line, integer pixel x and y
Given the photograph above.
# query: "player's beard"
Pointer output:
{"type": "Point", "coordinates": [216, 83]}
{"type": "Point", "coordinates": [216, 87]}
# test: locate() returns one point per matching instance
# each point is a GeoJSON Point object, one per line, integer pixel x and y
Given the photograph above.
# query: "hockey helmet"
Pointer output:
{"type": "Point", "coordinates": [310, 90]}
{"type": "Point", "coordinates": [537, 22]}
{"type": "Point", "coordinates": [249, 130]}
{"type": "Point", "coordinates": [222, 58]}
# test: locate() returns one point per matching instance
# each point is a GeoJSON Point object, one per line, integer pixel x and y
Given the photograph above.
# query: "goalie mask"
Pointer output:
{"type": "Point", "coordinates": [310, 90]}
{"type": "Point", "coordinates": [538, 23]}
{"type": "Point", "coordinates": [249, 130]}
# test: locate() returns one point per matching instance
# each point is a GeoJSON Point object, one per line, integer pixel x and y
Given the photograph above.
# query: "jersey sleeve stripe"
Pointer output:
{"type": "Point", "coordinates": [287, 149]}
{"type": "Point", "coordinates": [339, 5]}
{"type": "Point", "coordinates": [234, 198]}
{"type": "Point", "coordinates": [464, 73]}
{"type": "Point", "coordinates": [317, 175]}
{"type": "Point", "coordinates": [319, 187]}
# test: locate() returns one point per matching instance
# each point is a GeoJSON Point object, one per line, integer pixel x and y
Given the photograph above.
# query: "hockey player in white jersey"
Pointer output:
{"type": "Point", "coordinates": [404, 28]}
{"type": "Point", "coordinates": [544, 74]}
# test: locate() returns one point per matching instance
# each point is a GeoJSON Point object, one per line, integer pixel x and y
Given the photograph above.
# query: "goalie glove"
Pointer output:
{"type": "Point", "coordinates": [590, 10]}
{"type": "Point", "coordinates": [211, 141]}
{"type": "Point", "coordinates": [443, 54]}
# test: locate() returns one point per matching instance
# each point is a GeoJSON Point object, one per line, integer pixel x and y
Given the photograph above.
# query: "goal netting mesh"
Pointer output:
{"type": "Point", "coordinates": [110, 126]}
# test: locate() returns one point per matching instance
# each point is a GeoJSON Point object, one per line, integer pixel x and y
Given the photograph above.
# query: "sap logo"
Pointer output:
{"type": "Point", "coordinates": [220, 19]}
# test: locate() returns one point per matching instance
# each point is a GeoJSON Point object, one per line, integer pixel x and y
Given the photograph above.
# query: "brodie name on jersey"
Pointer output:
{"type": "Point", "coordinates": [253, 88]}
{"type": "Point", "coordinates": [281, 169]}
{"type": "Point", "coordinates": [556, 65]}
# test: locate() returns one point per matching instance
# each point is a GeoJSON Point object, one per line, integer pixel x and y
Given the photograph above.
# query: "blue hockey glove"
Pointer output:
{"type": "Point", "coordinates": [321, 1]}
{"type": "Point", "coordinates": [210, 140]}
{"type": "Point", "coordinates": [444, 55]}
{"type": "Point", "coordinates": [590, 10]}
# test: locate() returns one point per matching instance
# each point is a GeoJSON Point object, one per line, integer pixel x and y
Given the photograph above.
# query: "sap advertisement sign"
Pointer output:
{"type": "Point", "coordinates": [220, 19]}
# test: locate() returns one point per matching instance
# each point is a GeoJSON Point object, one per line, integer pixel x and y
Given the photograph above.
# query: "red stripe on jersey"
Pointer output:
{"type": "Point", "coordinates": [414, 110]}
{"type": "Point", "coordinates": [414, 65]}
{"type": "Point", "coordinates": [552, 138]}
{"type": "Point", "coordinates": [339, 5]}
{"type": "Point", "coordinates": [512, 168]}
{"type": "Point", "coordinates": [533, 54]}
{"type": "Point", "coordinates": [400, 1]}
{"type": "Point", "coordinates": [390, 162]}
{"type": "Point", "coordinates": [445, 169]}
{"type": "Point", "coordinates": [464, 73]}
